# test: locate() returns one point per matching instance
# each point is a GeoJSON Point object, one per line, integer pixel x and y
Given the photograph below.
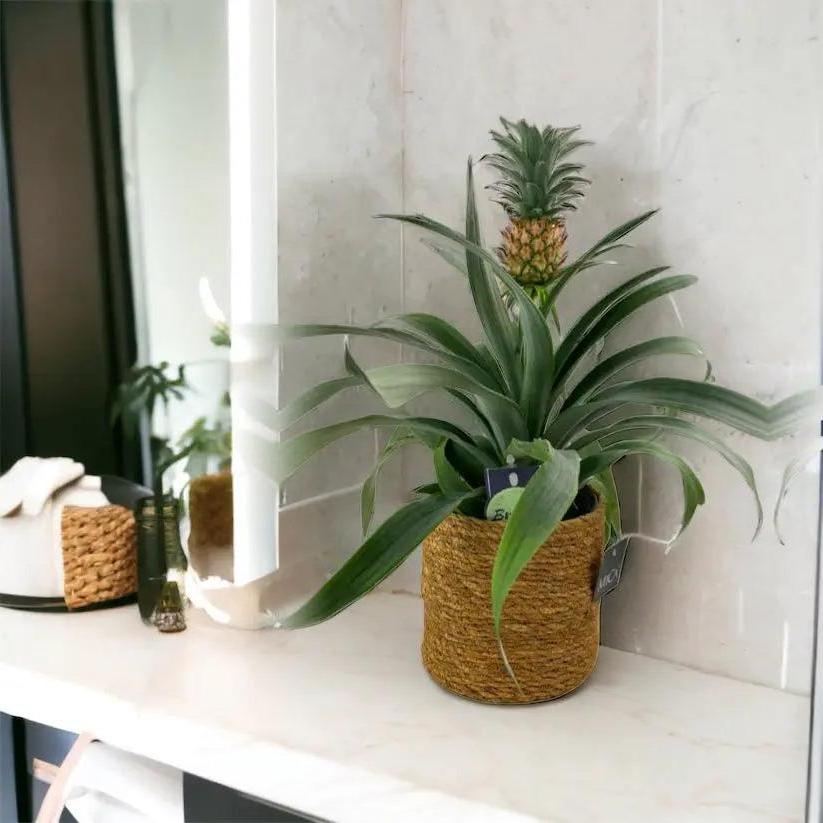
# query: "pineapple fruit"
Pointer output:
{"type": "Point", "coordinates": [536, 188]}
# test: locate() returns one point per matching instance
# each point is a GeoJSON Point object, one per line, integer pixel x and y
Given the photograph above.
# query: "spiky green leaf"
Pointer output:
{"type": "Point", "coordinates": [693, 493]}
{"type": "Point", "coordinates": [544, 502]}
{"type": "Point", "coordinates": [381, 553]}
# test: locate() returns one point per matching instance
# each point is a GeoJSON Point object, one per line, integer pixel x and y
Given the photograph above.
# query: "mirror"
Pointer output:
{"type": "Point", "coordinates": [196, 232]}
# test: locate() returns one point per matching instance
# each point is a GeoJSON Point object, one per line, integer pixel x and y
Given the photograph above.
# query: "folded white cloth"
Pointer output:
{"type": "Point", "coordinates": [112, 786]}
{"type": "Point", "coordinates": [31, 481]}
{"type": "Point", "coordinates": [33, 494]}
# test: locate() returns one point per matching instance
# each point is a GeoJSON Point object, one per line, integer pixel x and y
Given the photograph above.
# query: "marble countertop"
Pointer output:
{"type": "Point", "coordinates": [342, 722]}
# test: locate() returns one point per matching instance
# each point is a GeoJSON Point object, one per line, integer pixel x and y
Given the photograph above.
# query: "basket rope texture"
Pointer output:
{"type": "Point", "coordinates": [99, 554]}
{"type": "Point", "coordinates": [550, 627]}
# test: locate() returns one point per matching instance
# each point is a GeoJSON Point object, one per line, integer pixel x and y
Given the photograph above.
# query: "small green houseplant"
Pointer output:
{"type": "Point", "coordinates": [534, 394]}
{"type": "Point", "coordinates": [159, 550]}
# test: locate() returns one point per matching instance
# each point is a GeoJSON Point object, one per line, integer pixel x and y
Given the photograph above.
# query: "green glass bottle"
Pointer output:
{"type": "Point", "coordinates": [176, 561]}
{"type": "Point", "coordinates": [160, 555]}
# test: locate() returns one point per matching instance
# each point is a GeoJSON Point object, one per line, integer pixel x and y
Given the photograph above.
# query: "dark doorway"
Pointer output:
{"type": "Point", "coordinates": [71, 289]}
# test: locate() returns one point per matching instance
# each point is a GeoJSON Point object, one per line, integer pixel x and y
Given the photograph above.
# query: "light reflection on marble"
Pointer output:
{"type": "Point", "coordinates": [341, 721]}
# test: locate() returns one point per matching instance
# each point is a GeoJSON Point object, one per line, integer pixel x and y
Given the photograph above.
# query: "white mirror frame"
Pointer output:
{"type": "Point", "coordinates": [253, 277]}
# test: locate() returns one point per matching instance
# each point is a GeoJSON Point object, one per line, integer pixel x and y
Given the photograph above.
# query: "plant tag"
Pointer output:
{"type": "Point", "coordinates": [503, 489]}
{"type": "Point", "coordinates": [507, 477]}
{"type": "Point", "coordinates": [501, 506]}
{"type": "Point", "coordinates": [611, 568]}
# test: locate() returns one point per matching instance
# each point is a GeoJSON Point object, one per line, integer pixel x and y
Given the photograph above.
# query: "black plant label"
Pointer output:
{"type": "Point", "coordinates": [611, 568]}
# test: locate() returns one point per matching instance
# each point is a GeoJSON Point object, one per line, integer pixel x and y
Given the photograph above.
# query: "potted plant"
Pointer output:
{"type": "Point", "coordinates": [508, 605]}
{"type": "Point", "coordinates": [206, 447]}
{"type": "Point", "coordinates": [160, 553]}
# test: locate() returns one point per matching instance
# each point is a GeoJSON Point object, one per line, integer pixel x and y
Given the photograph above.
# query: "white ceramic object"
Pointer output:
{"type": "Point", "coordinates": [33, 494]}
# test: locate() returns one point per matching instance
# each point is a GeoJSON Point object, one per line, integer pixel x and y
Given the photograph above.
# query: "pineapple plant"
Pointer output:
{"type": "Point", "coordinates": [535, 396]}
{"type": "Point", "coordinates": [537, 186]}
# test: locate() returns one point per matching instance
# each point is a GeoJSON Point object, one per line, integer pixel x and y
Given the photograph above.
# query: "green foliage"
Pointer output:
{"type": "Point", "coordinates": [544, 502]}
{"type": "Point", "coordinates": [201, 441]}
{"type": "Point", "coordinates": [534, 180]}
{"type": "Point", "coordinates": [533, 394]}
{"type": "Point", "coordinates": [141, 390]}
{"type": "Point", "coordinates": [221, 335]}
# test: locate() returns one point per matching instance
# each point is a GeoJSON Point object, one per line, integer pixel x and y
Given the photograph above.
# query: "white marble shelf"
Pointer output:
{"type": "Point", "coordinates": [342, 722]}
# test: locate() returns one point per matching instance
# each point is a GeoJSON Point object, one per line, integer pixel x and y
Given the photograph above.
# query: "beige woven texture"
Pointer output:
{"type": "Point", "coordinates": [550, 629]}
{"type": "Point", "coordinates": [99, 554]}
{"type": "Point", "coordinates": [210, 505]}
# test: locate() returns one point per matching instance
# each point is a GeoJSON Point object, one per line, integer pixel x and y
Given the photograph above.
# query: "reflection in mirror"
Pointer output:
{"type": "Point", "coordinates": [173, 98]}
{"type": "Point", "coordinates": [197, 130]}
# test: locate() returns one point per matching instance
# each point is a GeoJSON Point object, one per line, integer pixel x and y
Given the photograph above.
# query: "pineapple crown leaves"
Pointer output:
{"type": "Point", "coordinates": [534, 180]}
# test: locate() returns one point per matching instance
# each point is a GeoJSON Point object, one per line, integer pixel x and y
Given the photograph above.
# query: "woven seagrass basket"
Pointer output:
{"type": "Point", "coordinates": [99, 554]}
{"type": "Point", "coordinates": [210, 506]}
{"type": "Point", "coordinates": [550, 627]}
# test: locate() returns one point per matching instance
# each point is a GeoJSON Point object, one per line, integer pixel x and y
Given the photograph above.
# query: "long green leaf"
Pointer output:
{"type": "Point", "coordinates": [692, 396]}
{"type": "Point", "coordinates": [613, 365]}
{"type": "Point", "coordinates": [452, 253]}
{"type": "Point", "coordinates": [268, 415]}
{"type": "Point", "coordinates": [400, 438]}
{"type": "Point", "coordinates": [448, 478]}
{"type": "Point", "coordinates": [403, 382]}
{"type": "Point", "coordinates": [467, 464]}
{"type": "Point", "coordinates": [468, 402]}
{"type": "Point", "coordinates": [587, 320]}
{"type": "Point", "coordinates": [603, 483]}
{"type": "Point", "coordinates": [693, 493]}
{"type": "Point", "coordinates": [276, 334]}
{"type": "Point", "coordinates": [380, 554]}
{"type": "Point", "coordinates": [649, 425]}
{"type": "Point", "coordinates": [273, 334]}
{"type": "Point", "coordinates": [439, 331]}
{"type": "Point", "coordinates": [789, 474]}
{"type": "Point", "coordinates": [537, 347]}
{"type": "Point", "coordinates": [594, 255]}
{"type": "Point", "coordinates": [715, 402]}
{"type": "Point", "coordinates": [537, 450]}
{"type": "Point", "coordinates": [354, 368]}
{"type": "Point", "coordinates": [487, 297]}
{"type": "Point", "coordinates": [496, 322]}
{"type": "Point", "coordinates": [457, 257]}
{"type": "Point", "coordinates": [282, 459]}
{"type": "Point", "coordinates": [575, 420]}
{"type": "Point", "coordinates": [544, 502]}
{"type": "Point", "coordinates": [538, 357]}
{"type": "Point", "coordinates": [616, 314]}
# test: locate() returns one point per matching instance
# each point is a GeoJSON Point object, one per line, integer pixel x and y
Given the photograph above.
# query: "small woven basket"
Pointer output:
{"type": "Point", "coordinates": [99, 554]}
{"type": "Point", "coordinates": [550, 627]}
{"type": "Point", "coordinates": [210, 506]}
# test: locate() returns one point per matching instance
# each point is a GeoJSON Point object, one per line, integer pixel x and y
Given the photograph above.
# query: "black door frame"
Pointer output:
{"type": "Point", "coordinates": [13, 390]}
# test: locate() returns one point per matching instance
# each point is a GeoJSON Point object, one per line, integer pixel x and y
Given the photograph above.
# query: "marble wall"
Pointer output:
{"type": "Point", "coordinates": [708, 110]}
{"type": "Point", "coordinates": [339, 161]}
{"type": "Point", "coordinates": [737, 166]}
